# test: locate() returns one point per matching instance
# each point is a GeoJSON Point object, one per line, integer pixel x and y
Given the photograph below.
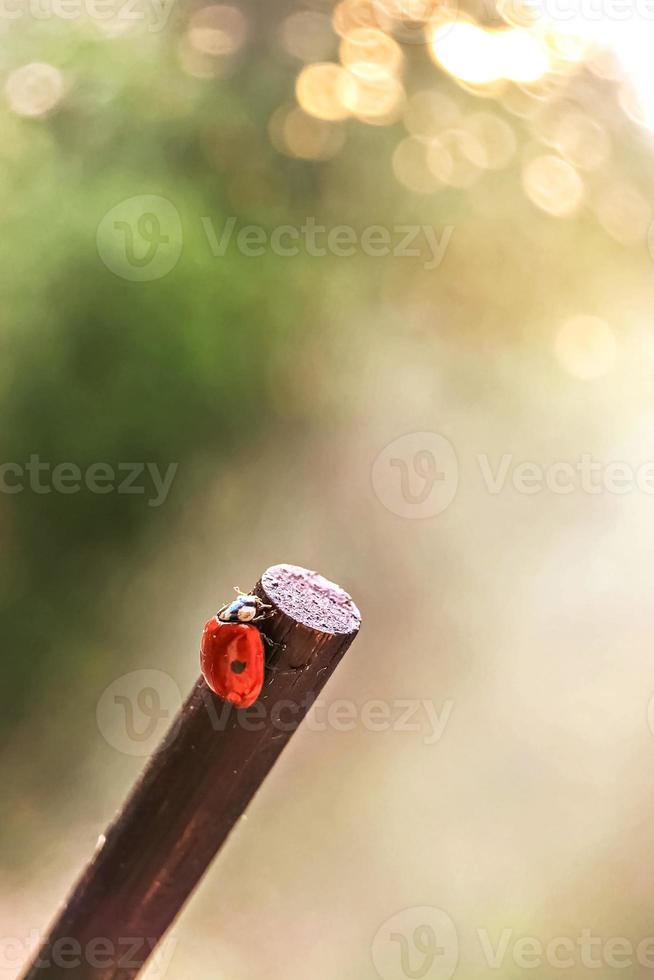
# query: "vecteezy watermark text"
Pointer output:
{"type": "Point", "coordinates": [41, 477]}
{"type": "Point", "coordinates": [318, 241]}
{"type": "Point", "coordinates": [135, 711]}
{"type": "Point", "coordinates": [564, 952]}
{"type": "Point", "coordinates": [584, 11]}
{"type": "Point", "coordinates": [127, 953]}
{"type": "Point", "coordinates": [417, 475]}
{"type": "Point", "coordinates": [405, 715]}
{"type": "Point", "coordinates": [562, 477]}
{"type": "Point", "coordinates": [126, 14]}
{"type": "Point", "coordinates": [423, 941]}
{"type": "Point", "coordinates": [141, 239]}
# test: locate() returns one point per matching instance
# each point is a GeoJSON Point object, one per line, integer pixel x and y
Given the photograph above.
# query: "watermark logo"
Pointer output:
{"type": "Point", "coordinates": [417, 475]}
{"type": "Point", "coordinates": [419, 943]}
{"type": "Point", "coordinates": [136, 710]}
{"type": "Point", "coordinates": [422, 942]}
{"type": "Point", "coordinates": [141, 238]}
{"type": "Point", "coordinates": [413, 21]}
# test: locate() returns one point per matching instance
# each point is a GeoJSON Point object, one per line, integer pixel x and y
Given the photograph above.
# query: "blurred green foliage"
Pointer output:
{"type": "Point", "coordinates": [97, 368]}
{"type": "Point", "coordinates": [182, 369]}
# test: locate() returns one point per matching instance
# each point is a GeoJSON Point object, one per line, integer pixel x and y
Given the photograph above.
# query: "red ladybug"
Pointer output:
{"type": "Point", "coordinates": [231, 654]}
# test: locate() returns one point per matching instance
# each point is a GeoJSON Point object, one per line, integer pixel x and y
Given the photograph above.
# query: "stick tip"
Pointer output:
{"type": "Point", "coordinates": [311, 599]}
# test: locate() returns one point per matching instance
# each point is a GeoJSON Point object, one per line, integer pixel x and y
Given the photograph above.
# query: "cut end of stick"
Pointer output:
{"type": "Point", "coordinates": [310, 600]}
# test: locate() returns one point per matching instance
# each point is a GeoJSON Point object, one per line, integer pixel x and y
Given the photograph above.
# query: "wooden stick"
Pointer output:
{"type": "Point", "coordinates": [195, 788]}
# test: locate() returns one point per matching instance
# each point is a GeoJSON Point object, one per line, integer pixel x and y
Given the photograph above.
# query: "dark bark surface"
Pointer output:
{"type": "Point", "coordinates": [195, 788]}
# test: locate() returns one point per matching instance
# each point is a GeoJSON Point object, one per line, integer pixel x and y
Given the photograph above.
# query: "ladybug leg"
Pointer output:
{"type": "Point", "coordinates": [268, 654]}
{"type": "Point", "coordinates": [271, 647]}
{"type": "Point", "coordinates": [265, 614]}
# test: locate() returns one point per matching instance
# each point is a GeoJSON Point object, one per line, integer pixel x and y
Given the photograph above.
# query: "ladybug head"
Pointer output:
{"type": "Point", "coordinates": [244, 609]}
